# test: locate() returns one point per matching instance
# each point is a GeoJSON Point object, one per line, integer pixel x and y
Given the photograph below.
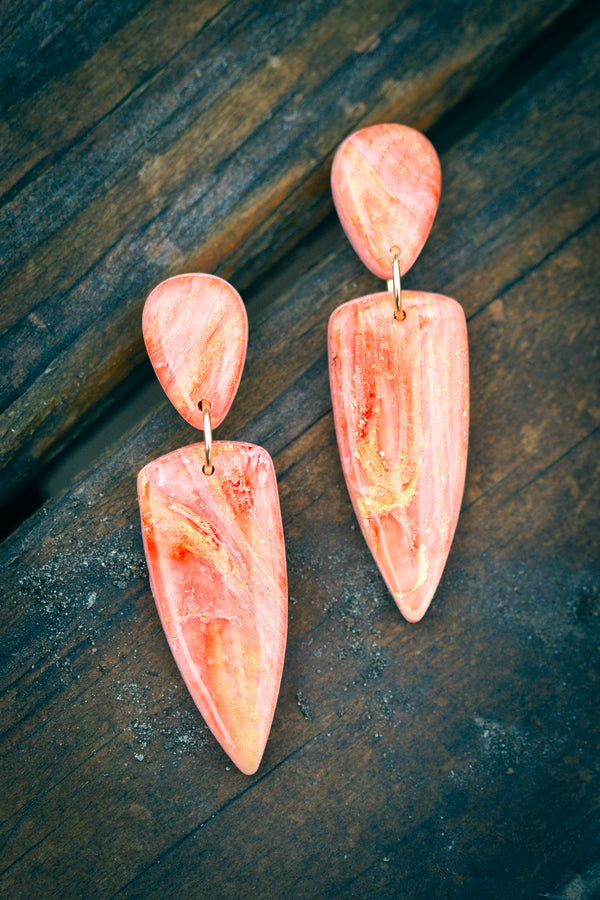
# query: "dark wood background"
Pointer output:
{"type": "Point", "coordinates": [456, 758]}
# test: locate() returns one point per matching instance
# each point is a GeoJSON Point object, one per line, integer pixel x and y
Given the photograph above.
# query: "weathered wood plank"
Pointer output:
{"type": "Point", "coordinates": [198, 137]}
{"type": "Point", "coordinates": [455, 758]}
{"type": "Point", "coordinates": [40, 42]}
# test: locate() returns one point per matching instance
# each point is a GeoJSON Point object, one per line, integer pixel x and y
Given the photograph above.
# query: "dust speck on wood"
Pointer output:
{"type": "Point", "coordinates": [304, 705]}
{"type": "Point", "coordinates": [167, 725]}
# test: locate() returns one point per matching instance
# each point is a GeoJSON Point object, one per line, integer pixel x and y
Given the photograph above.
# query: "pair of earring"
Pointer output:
{"type": "Point", "coordinates": [210, 513]}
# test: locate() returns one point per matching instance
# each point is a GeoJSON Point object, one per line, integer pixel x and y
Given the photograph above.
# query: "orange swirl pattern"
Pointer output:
{"type": "Point", "coordinates": [400, 392]}
{"type": "Point", "coordinates": [216, 557]}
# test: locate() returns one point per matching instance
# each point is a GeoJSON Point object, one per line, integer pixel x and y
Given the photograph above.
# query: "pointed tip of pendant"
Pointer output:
{"type": "Point", "coordinates": [241, 725]}
{"type": "Point", "coordinates": [414, 604]}
{"type": "Point", "coordinates": [250, 769]}
{"type": "Point", "coordinates": [410, 613]}
{"type": "Point", "coordinates": [247, 752]}
{"type": "Point", "coordinates": [247, 763]}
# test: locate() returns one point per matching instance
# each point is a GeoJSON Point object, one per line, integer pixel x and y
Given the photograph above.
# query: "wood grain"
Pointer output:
{"type": "Point", "coordinates": [454, 758]}
{"type": "Point", "coordinates": [192, 137]}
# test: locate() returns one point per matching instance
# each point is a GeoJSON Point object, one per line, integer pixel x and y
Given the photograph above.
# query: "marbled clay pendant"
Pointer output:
{"type": "Point", "coordinates": [211, 522]}
{"type": "Point", "coordinates": [398, 365]}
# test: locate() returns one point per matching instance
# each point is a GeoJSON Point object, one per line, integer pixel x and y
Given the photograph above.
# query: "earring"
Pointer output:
{"type": "Point", "coordinates": [211, 522]}
{"type": "Point", "coordinates": [398, 365]}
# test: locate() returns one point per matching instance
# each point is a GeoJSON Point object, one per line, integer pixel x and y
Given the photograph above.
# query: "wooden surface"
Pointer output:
{"type": "Point", "coordinates": [456, 758]}
{"type": "Point", "coordinates": [197, 138]}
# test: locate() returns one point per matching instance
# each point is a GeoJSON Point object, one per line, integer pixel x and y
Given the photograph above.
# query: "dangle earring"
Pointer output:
{"type": "Point", "coordinates": [211, 522]}
{"type": "Point", "coordinates": [398, 365]}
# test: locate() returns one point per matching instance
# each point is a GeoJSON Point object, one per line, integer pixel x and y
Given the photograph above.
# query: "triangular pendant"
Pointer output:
{"type": "Point", "coordinates": [216, 557]}
{"type": "Point", "coordinates": [400, 392]}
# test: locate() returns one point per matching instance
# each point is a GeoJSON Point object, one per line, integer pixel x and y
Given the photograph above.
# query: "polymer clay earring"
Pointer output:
{"type": "Point", "coordinates": [211, 522]}
{"type": "Point", "coordinates": [398, 364]}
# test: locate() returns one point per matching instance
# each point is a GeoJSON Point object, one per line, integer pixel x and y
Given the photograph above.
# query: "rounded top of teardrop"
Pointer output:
{"type": "Point", "coordinates": [196, 333]}
{"type": "Point", "coordinates": [386, 182]}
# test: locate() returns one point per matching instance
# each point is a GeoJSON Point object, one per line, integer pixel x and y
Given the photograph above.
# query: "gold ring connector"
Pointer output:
{"type": "Point", "coordinates": [204, 407]}
{"type": "Point", "coordinates": [395, 284]}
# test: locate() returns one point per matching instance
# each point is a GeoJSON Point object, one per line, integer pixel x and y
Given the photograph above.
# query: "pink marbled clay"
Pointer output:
{"type": "Point", "coordinates": [196, 333]}
{"type": "Point", "coordinates": [400, 393]}
{"type": "Point", "coordinates": [386, 182]}
{"type": "Point", "coordinates": [216, 557]}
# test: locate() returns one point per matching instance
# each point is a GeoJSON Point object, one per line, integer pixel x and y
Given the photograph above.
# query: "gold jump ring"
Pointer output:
{"type": "Point", "coordinates": [208, 467]}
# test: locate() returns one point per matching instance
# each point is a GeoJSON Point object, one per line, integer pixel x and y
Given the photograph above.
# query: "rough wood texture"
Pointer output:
{"type": "Point", "coordinates": [188, 136]}
{"type": "Point", "coordinates": [457, 758]}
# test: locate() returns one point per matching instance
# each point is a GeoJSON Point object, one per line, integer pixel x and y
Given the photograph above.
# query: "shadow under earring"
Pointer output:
{"type": "Point", "coordinates": [398, 364]}
{"type": "Point", "coordinates": [211, 522]}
